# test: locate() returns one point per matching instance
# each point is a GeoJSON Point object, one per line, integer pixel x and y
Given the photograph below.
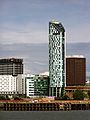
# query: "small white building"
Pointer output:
{"type": "Point", "coordinates": [8, 84]}
{"type": "Point", "coordinates": [11, 84]}
{"type": "Point", "coordinates": [30, 85]}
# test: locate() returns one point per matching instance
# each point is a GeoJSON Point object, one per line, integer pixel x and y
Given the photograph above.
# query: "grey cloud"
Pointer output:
{"type": "Point", "coordinates": [35, 56]}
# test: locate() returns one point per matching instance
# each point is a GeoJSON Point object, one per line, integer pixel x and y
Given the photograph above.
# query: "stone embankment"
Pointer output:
{"type": "Point", "coordinates": [44, 106]}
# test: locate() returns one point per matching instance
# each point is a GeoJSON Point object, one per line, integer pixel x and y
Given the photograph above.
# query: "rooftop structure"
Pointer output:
{"type": "Point", "coordinates": [11, 66]}
{"type": "Point", "coordinates": [75, 56]}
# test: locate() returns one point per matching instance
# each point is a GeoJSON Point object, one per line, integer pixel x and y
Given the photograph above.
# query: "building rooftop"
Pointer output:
{"type": "Point", "coordinates": [55, 21]}
{"type": "Point", "coordinates": [11, 60]}
{"type": "Point", "coordinates": [75, 56]}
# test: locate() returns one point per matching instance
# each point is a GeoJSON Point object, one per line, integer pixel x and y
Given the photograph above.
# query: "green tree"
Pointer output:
{"type": "Point", "coordinates": [2, 98]}
{"type": "Point", "coordinates": [78, 95]}
{"type": "Point", "coordinates": [17, 98]}
{"type": "Point", "coordinates": [89, 94]}
{"type": "Point", "coordinates": [7, 98]}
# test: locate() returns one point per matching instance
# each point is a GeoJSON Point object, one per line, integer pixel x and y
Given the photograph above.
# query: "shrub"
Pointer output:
{"type": "Point", "coordinates": [78, 95]}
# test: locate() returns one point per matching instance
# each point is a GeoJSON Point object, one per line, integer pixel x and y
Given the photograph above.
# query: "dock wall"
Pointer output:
{"type": "Point", "coordinates": [43, 106]}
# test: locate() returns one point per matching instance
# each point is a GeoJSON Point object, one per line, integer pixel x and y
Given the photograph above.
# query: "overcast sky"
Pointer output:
{"type": "Point", "coordinates": [26, 21]}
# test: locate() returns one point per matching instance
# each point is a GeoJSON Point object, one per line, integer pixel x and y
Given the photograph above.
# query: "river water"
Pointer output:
{"type": "Point", "coordinates": [40, 115]}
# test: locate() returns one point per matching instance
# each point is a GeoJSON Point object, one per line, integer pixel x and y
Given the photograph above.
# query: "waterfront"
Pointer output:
{"type": "Point", "coordinates": [40, 115]}
{"type": "Point", "coordinates": [12, 105]}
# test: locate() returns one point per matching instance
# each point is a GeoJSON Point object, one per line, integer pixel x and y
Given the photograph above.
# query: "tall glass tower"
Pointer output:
{"type": "Point", "coordinates": [56, 58]}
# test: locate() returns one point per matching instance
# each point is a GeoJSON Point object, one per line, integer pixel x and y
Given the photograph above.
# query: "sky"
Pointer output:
{"type": "Point", "coordinates": [36, 56]}
{"type": "Point", "coordinates": [26, 21]}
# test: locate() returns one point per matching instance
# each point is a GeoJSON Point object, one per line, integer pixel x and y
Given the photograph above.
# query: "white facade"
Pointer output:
{"type": "Point", "coordinates": [11, 84]}
{"type": "Point", "coordinates": [30, 85]}
{"type": "Point", "coordinates": [23, 85]}
{"type": "Point", "coordinates": [19, 86]}
{"type": "Point", "coordinates": [7, 84]}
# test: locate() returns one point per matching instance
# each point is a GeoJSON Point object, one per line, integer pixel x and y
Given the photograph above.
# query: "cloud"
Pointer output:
{"type": "Point", "coordinates": [35, 56]}
{"type": "Point", "coordinates": [38, 33]}
{"type": "Point", "coordinates": [29, 33]}
{"type": "Point", "coordinates": [39, 63]}
{"type": "Point", "coordinates": [80, 33]}
{"type": "Point", "coordinates": [25, 21]}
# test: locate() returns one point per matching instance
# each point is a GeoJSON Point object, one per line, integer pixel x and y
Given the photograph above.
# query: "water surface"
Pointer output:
{"type": "Point", "coordinates": [40, 115]}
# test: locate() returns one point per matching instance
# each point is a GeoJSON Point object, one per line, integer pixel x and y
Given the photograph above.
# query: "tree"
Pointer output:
{"type": "Point", "coordinates": [7, 98]}
{"type": "Point", "coordinates": [89, 94]}
{"type": "Point", "coordinates": [2, 98]}
{"type": "Point", "coordinates": [78, 95]}
{"type": "Point", "coordinates": [17, 98]}
{"type": "Point", "coordinates": [65, 97]}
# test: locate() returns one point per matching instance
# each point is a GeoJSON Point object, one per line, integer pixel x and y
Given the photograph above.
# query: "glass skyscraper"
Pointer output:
{"type": "Point", "coordinates": [56, 58]}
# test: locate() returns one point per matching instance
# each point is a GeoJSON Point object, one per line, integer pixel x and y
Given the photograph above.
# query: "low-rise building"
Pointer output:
{"type": "Point", "coordinates": [8, 84]}
{"type": "Point", "coordinates": [37, 85]}
{"type": "Point", "coordinates": [41, 85]}
{"type": "Point", "coordinates": [30, 85]}
{"type": "Point", "coordinates": [11, 70]}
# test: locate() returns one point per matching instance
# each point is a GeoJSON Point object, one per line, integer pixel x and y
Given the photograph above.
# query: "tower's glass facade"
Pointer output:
{"type": "Point", "coordinates": [56, 58]}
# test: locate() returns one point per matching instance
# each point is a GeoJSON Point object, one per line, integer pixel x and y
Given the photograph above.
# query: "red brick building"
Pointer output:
{"type": "Point", "coordinates": [75, 70]}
